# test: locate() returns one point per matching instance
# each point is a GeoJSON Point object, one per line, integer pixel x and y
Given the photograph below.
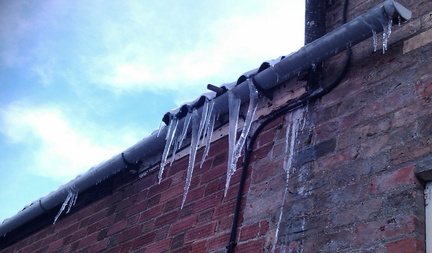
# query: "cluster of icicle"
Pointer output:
{"type": "Point", "coordinates": [235, 147]}
{"type": "Point", "coordinates": [202, 127]}
{"type": "Point", "coordinates": [387, 29]}
{"type": "Point", "coordinates": [296, 123]}
{"type": "Point", "coordinates": [70, 200]}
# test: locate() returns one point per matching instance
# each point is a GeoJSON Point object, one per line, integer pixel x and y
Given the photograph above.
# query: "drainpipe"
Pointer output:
{"type": "Point", "coordinates": [149, 149]}
{"type": "Point", "coordinates": [315, 27]}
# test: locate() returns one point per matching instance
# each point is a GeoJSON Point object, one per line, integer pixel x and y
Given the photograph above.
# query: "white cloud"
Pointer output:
{"type": "Point", "coordinates": [60, 148]}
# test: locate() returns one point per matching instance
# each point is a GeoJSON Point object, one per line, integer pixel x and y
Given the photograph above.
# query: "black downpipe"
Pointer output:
{"type": "Point", "coordinates": [315, 27]}
{"type": "Point", "coordinates": [312, 96]}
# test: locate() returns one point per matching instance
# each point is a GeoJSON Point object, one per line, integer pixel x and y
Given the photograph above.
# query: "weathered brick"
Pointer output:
{"type": "Point", "coordinates": [383, 229]}
{"type": "Point", "coordinates": [393, 180]}
{"type": "Point", "coordinates": [249, 232]}
{"type": "Point", "coordinates": [410, 244]}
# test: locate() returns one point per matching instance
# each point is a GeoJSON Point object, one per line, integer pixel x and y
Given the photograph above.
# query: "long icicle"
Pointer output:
{"type": "Point", "coordinates": [253, 104]}
{"type": "Point", "coordinates": [192, 154]}
{"type": "Point", "coordinates": [238, 146]}
{"type": "Point", "coordinates": [169, 139]}
{"type": "Point", "coordinates": [65, 203]}
{"type": "Point", "coordinates": [296, 123]}
{"type": "Point", "coordinates": [209, 131]}
{"type": "Point", "coordinates": [185, 128]}
{"type": "Point", "coordinates": [234, 108]}
{"type": "Point", "coordinates": [203, 118]}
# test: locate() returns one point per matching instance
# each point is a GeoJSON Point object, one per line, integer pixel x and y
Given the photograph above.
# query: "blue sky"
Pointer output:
{"type": "Point", "coordinates": [81, 81]}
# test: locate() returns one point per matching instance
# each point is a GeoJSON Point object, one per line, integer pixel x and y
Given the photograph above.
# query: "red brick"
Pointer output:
{"type": "Point", "coordinates": [130, 233]}
{"type": "Point", "coordinates": [194, 195]}
{"type": "Point", "coordinates": [125, 203]}
{"type": "Point", "coordinates": [143, 240]}
{"type": "Point", "coordinates": [404, 245]}
{"type": "Point", "coordinates": [166, 218]}
{"type": "Point", "coordinates": [213, 173]}
{"type": "Point", "coordinates": [158, 188]}
{"type": "Point", "coordinates": [262, 151]}
{"type": "Point", "coordinates": [100, 245]}
{"type": "Point", "coordinates": [55, 245]}
{"type": "Point", "coordinates": [119, 226]}
{"type": "Point", "coordinates": [208, 202]}
{"type": "Point", "coordinates": [263, 227]}
{"type": "Point", "coordinates": [87, 240]}
{"type": "Point", "coordinates": [198, 247]}
{"type": "Point", "coordinates": [218, 242]}
{"type": "Point", "coordinates": [249, 232]}
{"type": "Point", "coordinates": [159, 246]}
{"type": "Point", "coordinates": [225, 209]}
{"type": "Point", "coordinates": [150, 213]}
{"type": "Point", "coordinates": [183, 225]}
{"type": "Point", "coordinates": [393, 180]}
{"type": "Point", "coordinates": [172, 192]}
{"type": "Point", "coordinates": [137, 208]}
{"type": "Point", "coordinates": [251, 246]}
{"type": "Point", "coordinates": [200, 232]}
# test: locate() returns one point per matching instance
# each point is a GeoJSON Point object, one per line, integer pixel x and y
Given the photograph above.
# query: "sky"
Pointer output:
{"type": "Point", "coordinates": [81, 81]}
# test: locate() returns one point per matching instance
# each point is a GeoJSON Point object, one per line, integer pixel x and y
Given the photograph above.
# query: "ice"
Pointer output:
{"type": "Point", "coordinates": [185, 128]}
{"type": "Point", "coordinates": [203, 118]}
{"type": "Point", "coordinates": [375, 40]}
{"type": "Point", "coordinates": [209, 135]}
{"type": "Point", "coordinates": [235, 148]}
{"type": "Point", "coordinates": [161, 126]}
{"type": "Point", "coordinates": [386, 34]}
{"type": "Point", "coordinates": [234, 108]}
{"type": "Point", "coordinates": [169, 140]}
{"type": "Point", "coordinates": [192, 154]}
{"type": "Point", "coordinates": [176, 139]}
{"type": "Point", "coordinates": [296, 123]}
{"type": "Point", "coordinates": [207, 120]}
{"type": "Point", "coordinates": [69, 201]}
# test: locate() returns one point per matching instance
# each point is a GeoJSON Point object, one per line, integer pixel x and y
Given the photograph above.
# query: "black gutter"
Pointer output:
{"type": "Point", "coordinates": [148, 150]}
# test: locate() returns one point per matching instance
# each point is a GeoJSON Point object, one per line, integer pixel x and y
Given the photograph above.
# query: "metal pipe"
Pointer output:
{"type": "Point", "coordinates": [149, 149]}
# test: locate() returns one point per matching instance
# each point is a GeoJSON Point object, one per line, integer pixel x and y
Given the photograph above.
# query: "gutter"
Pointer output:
{"type": "Point", "coordinates": [149, 150]}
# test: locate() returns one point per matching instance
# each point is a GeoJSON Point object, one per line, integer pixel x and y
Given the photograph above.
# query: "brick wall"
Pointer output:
{"type": "Point", "coordinates": [352, 186]}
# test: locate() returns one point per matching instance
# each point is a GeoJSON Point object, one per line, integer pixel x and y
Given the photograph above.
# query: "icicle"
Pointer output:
{"type": "Point", "coordinates": [253, 104]}
{"type": "Point", "coordinates": [69, 201]}
{"type": "Point", "coordinates": [386, 34]}
{"type": "Point", "coordinates": [160, 128]}
{"type": "Point", "coordinates": [209, 131]}
{"type": "Point", "coordinates": [169, 139]}
{"type": "Point", "coordinates": [203, 118]}
{"type": "Point", "coordinates": [176, 139]}
{"type": "Point", "coordinates": [296, 123]}
{"type": "Point", "coordinates": [234, 108]}
{"type": "Point", "coordinates": [185, 128]}
{"type": "Point", "coordinates": [192, 154]}
{"type": "Point", "coordinates": [207, 118]}
{"type": "Point", "coordinates": [375, 40]}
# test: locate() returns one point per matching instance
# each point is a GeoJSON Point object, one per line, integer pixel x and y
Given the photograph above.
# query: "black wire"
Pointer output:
{"type": "Point", "coordinates": [269, 118]}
